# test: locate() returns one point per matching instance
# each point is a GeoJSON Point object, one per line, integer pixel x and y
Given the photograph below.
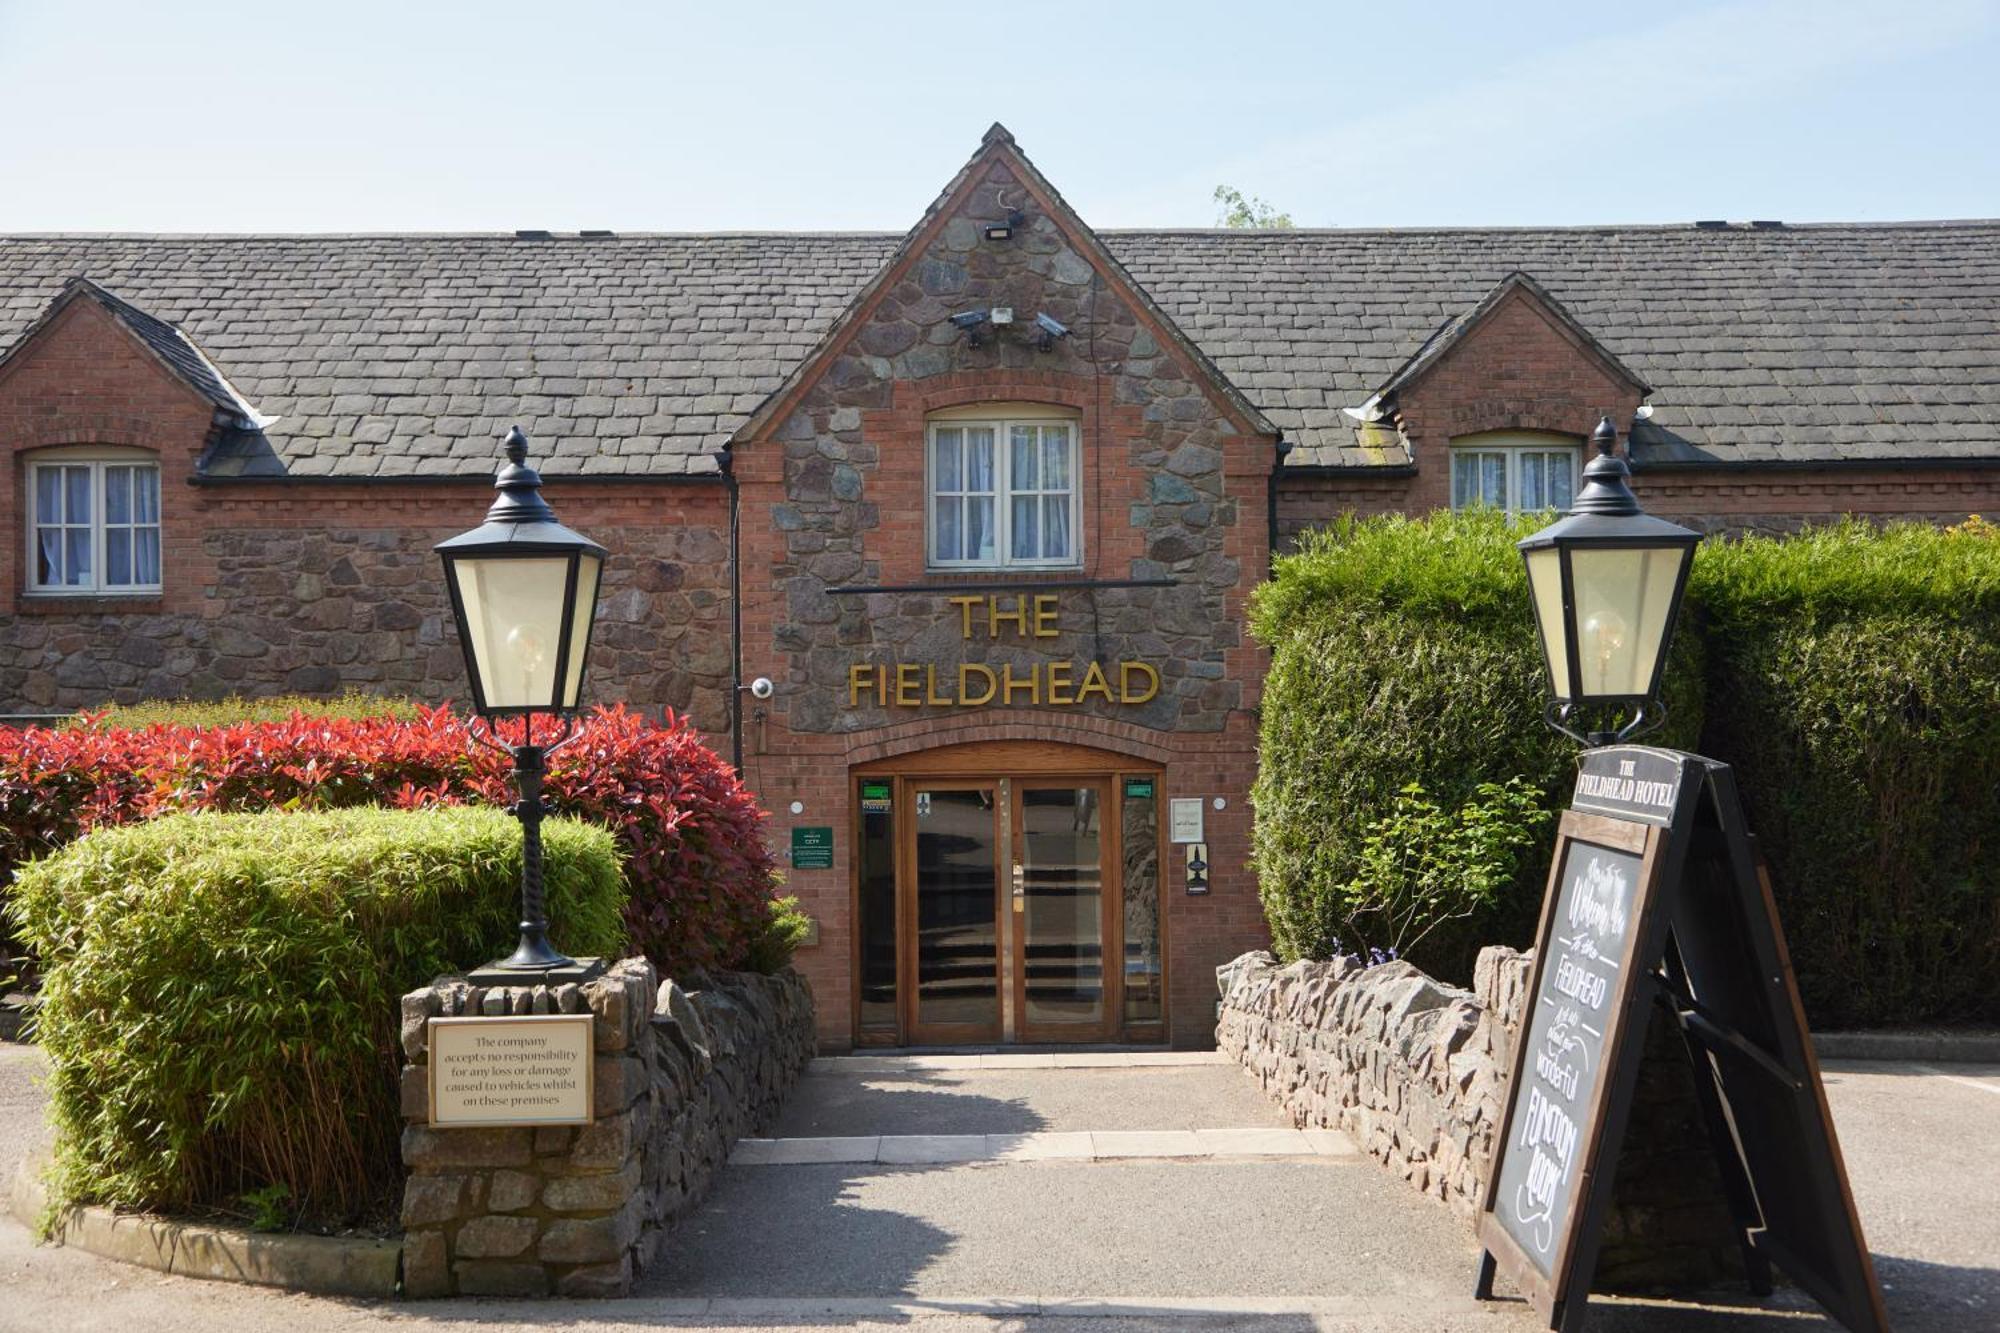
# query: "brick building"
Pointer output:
{"type": "Point", "coordinates": [1002, 487]}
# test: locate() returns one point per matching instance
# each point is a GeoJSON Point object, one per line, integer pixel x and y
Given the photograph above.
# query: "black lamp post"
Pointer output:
{"type": "Point", "coordinates": [1606, 582]}
{"type": "Point", "coordinates": [524, 592]}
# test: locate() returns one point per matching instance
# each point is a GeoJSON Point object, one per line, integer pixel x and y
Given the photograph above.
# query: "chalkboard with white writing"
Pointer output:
{"type": "Point", "coordinates": [1657, 896]}
{"type": "Point", "coordinates": [1590, 948]}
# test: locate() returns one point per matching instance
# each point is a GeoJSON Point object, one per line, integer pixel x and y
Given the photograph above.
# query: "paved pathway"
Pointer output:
{"type": "Point", "coordinates": [1243, 1231]}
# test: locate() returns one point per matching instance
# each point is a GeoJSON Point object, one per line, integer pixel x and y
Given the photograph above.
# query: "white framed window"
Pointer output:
{"type": "Point", "coordinates": [1517, 473]}
{"type": "Point", "coordinates": [1001, 489]}
{"type": "Point", "coordinates": [93, 523]}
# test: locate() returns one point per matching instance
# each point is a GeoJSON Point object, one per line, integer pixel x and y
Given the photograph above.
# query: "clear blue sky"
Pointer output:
{"type": "Point", "coordinates": [332, 115]}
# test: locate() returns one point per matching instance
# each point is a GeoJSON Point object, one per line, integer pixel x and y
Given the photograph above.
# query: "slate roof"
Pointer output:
{"type": "Point", "coordinates": [639, 355]}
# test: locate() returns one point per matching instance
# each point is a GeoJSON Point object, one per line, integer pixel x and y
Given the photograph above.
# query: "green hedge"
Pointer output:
{"type": "Point", "coordinates": [1402, 654]}
{"type": "Point", "coordinates": [1856, 686]}
{"type": "Point", "coordinates": [220, 1003]}
{"type": "Point", "coordinates": [236, 708]}
{"type": "Point", "coordinates": [1851, 675]}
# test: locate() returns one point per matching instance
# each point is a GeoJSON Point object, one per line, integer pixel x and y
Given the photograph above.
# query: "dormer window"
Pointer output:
{"type": "Point", "coordinates": [94, 523]}
{"type": "Point", "coordinates": [1002, 488]}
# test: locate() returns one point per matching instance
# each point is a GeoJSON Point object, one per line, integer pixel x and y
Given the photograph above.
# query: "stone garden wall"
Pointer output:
{"type": "Point", "coordinates": [680, 1076]}
{"type": "Point", "coordinates": [1414, 1071]}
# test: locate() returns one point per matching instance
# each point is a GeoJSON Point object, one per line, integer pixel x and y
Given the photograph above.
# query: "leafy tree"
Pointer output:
{"type": "Point", "coordinates": [1240, 210]}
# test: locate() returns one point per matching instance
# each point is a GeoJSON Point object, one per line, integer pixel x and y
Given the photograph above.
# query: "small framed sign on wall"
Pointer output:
{"type": "Point", "coordinates": [536, 1069]}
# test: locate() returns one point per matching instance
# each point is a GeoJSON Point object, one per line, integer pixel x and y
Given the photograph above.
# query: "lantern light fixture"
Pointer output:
{"type": "Point", "coordinates": [524, 592]}
{"type": "Point", "coordinates": [1606, 582]}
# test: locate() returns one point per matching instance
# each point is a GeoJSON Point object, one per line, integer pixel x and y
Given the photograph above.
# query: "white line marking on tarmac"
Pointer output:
{"type": "Point", "coordinates": [1993, 1088]}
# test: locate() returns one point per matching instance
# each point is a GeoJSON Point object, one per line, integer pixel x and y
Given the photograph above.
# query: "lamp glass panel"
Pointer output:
{"type": "Point", "coordinates": [1545, 585]}
{"type": "Point", "coordinates": [588, 568]}
{"type": "Point", "coordinates": [513, 623]}
{"type": "Point", "coordinates": [1624, 601]}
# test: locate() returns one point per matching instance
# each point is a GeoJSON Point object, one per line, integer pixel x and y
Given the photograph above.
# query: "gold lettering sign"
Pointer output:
{"type": "Point", "coordinates": [1057, 684]}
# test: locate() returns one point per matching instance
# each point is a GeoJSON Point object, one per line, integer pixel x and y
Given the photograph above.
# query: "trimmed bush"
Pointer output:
{"type": "Point", "coordinates": [236, 708]}
{"type": "Point", "coordinates": [1851, 675]}
{"type": "Point", "coordinates": [1402, 653]}
{"type": "Point", "coordinates": [699, 873]}
{"type": "Point", "coordinates": [1856, 685]}
{"type": "Point", "coordinates": [220, 996]}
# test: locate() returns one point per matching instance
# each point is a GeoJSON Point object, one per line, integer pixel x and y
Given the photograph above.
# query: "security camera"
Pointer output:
{"type": "Point", "coordinates": [762, 688]}
{"type": "Point", "coordinates": [1051, 330]}
{"type": "Point", "coordinates": [970, 319]}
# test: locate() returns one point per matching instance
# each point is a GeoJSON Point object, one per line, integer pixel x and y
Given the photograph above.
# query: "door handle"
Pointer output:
{"type": "Point", "coordinates": [1020, 886]}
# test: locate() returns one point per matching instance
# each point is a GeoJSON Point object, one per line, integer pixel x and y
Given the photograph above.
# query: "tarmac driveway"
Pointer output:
{"type": "Point", "coordinates": [1124, 1196]}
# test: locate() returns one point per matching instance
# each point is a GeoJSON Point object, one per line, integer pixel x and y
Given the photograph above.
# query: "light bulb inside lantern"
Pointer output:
{"type": "Point", "coordinates": [1604, 634]}
{"type": "Point", "coordinates": [524, 644]}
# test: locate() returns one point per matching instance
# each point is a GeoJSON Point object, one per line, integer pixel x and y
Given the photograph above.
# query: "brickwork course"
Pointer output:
{"type": "Point", "coordinates": [323, 409]}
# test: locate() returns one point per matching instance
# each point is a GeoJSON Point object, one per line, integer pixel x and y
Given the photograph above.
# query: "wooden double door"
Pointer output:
{"type": "Point", "coordinates": [1011, 909]}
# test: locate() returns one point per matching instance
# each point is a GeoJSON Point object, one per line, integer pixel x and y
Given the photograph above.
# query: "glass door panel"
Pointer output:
{"type": "Point", "coordinates": [957, 923]}
{"type": "Point", "coordinates": [1059, 894]}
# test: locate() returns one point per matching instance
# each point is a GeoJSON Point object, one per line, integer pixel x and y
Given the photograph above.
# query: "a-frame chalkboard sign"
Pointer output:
{"type": "Point", "coordinates": [1657, 895]}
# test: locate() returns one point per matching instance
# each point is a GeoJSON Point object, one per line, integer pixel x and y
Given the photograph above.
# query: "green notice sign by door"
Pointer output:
{"type": "Point", "coordinates": [812, 848]}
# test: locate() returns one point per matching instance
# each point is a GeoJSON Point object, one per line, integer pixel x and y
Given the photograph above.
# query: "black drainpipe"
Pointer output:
{"type": "Point", "coordinates": [1281, 447]}
{"type": "Point", "coordinates": [725, 459]}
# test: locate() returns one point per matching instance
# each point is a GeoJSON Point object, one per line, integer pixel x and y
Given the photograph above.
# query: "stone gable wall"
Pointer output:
{"type": "Point", "coordinates": [1414, 1071]}
{"type": "Point", "coordinates": [680, 1076]}
{"type": "Point", "coordinates": [1171, 489]}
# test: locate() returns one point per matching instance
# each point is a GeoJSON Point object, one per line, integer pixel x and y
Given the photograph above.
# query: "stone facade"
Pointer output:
{"type": "Point", "coordinates": [680, 1076]}
{"type": "Point", "coordinates": [1172, 469]}
{"type": "Point", "coordinates": [1160, 504]}
{"type": "Point", "coordinates": [322, 592]}
{"type": "Point", "coordinates": [1416, 1072]}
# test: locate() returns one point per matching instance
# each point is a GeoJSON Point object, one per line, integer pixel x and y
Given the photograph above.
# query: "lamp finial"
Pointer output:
{"type": "Point", "coordinates": [520, 487]}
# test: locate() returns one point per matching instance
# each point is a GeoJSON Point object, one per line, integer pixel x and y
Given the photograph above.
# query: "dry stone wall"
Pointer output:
{"type": "Point", "coordinates": [1415, 1072]}
{"type": "Point", "coordinates": [680, 1075]}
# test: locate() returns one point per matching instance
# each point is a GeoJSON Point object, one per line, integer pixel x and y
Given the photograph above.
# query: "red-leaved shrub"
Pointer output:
{"type": "Point", "coordinates": [699, 874]}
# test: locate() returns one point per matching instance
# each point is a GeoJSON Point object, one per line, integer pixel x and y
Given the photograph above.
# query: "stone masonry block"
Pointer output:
{"type": "Point", "coordinates": [431, 1199]}
{"type": "Point", "coordinates": [496, 1237]}
{"type": "Point", "coordinates": [425, 1148]}
{"type": "Point", "coordinates": [419, 1007]}
{"type": "Point", "coordinates": [591, 1194]}
{"type": "Point", "coordinates": [416, 1092]}
{"type": "Point", "coordinates": [610, 1004]}
{"type": "Point", "coordinates": [613, 1279]}
{"type": "Point", "coordinates": [500, 1277]}
{"type": "Point", "coordinates": [591, 1240]}
{"type": "Point", "coordinates": [605, 1145]}
{"type": "Point", "coordinates": [511, 1191]}
{"type": "Point", "coordinates": [616, 1082]}
{"type": "Point", "coordinates": [426, 1269]}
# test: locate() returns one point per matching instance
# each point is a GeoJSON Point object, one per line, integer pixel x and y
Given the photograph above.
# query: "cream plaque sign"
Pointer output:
{"type": "Point", "coordinates": [532, 1070]}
